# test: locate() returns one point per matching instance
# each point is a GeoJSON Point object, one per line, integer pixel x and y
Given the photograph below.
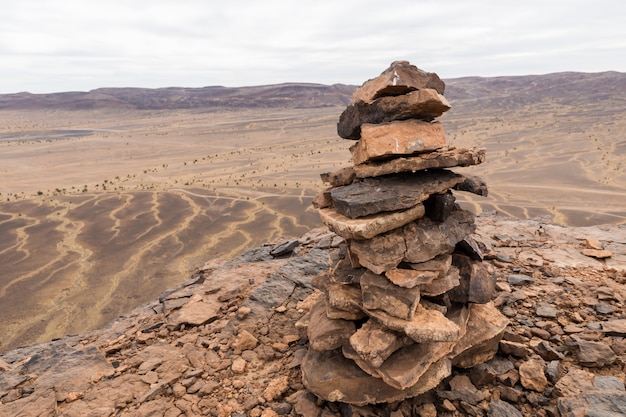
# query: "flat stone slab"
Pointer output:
{"type": "Point", "coordinates": [485, 328]}
{"type": "Point", "coordinates": [393, 193]}
{"type": "Point", "coordinates": [368, 226]}
{"type": "Point", "coordinates": [442, 285]}
{"type": "Point", "coordinates": [426, 326]}
{"type": "Point", "coordinates": [397, 138]}
{"type": "Point", "coordinates": [400, 78]}
{"type": "Point", "coordinates": [196, 312]}
{"type": "Point", "coordinates": [421, 273]}
{"type": "Point", "coordinates": [448, 157]}
{"type": "Point", "coordinates": [374, 343]}
{"type": "Point", "coordinates": [332, 377]}
{"type": "Point", "coordinates": [424, 104]}
{"type": "Point", "coordinates": [327, 334]}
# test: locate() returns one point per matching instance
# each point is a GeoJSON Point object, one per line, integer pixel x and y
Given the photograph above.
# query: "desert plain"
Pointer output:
{"type": "Point", "coordinates": [103, 209]}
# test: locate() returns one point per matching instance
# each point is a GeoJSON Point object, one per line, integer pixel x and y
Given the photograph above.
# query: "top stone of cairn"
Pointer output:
{"type": "Point", "coordinates": [400, 78]}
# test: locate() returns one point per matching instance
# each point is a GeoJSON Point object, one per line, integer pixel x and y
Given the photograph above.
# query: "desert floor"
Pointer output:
{"type": "Point", "coordinates": [101, 211]}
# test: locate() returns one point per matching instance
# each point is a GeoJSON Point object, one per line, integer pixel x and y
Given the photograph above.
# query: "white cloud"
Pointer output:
{"type": "Point", "coordinates": [50, 45]}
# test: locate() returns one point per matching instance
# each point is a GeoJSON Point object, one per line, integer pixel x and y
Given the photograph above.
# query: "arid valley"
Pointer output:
{"type": "Point", "coordinates": [105, 204]}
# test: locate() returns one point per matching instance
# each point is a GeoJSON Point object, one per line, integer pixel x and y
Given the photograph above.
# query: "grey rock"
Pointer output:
{"type": "Point", "coordinates": [595, 354]}
{"type": "Point", "coordinates": [284, 248]}
{"type": "Point", "coordinates": [392, 193]}
{"type": "Point", "coordinates": [501, 408]}
{"type": "Point", "coordinates": [546, 310]}
{"type": "Point", "coordinates": [477, 281]}
{"type": "Point", "coordinates": [608, 383]}
{"type": "Point", "coordinates": [520, 279]}
{"type": "Point", "coordinates": [555, 371]}
{"type": "Point", "coordinates": [604, 308]}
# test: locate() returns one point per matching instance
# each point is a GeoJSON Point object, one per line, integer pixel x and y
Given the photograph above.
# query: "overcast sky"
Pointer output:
{"type": "Point", "coordinates": [70, 45]}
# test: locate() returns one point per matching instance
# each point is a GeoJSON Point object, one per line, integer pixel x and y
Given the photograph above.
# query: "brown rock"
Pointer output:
{"type": "Point", "coordinates": [374, 343]}
{"type": "Point", "coordinates": [342, 176]}
{"type": "Point", "coordinates": [595, 354]}
{"type": "Point", "coordinates": [276, 388]}
{"type": "Point", "coordinates": [381, 294]}
{"type": "Point", "coordinates": [400, 78]}
{"type": "Point", "coordinates": [615, 327]}
{"type": "Point", "coordinates": [441, 158]}
{"type": "Point", "coordinates": [195, 313]}
{"type": "Point", "coordinates": [593, 243]}
{"type": "Point", "coordinates": [517, 349]}
{"type": "Point", "coordinates": [425, 326]}
{"type": "Point", "coordinates": [416, 242]}
{"type": "Point", "coordinates": [332, 377]}
{"type": "Point", "coordinates": [397, 138]}
{"type": "Point", "coordinates": [485, 328]}
{"type": "Point", "coordinates": [239, 366]}
{"type": "Point", "coordinates": [424, 104]}
{"type": "Point", "coordinates": [595, 253]}
{"type": "Point", "coordinates": [326, 334]}
{"type": "Point", "coordinates": [405, 367]}
{"type": "Point", "coordinates": [409, 278]}
{"type": "Point", "coordinates": [574, 383]}
{"type": "Point", "coordinates": [245, 341]}
{"type": "Point", "coordinates": [420, 273]}
{"type": "Point", "coordinates": [369, 226]}
{"type": "Point", "coordinates": [478, 281]}
{"type": "Point", "coordinates": [345, 297]}
{"type": "Point", "coordinates": [441, 285]}
{"type": "Point", "coordinates": [532, 375]}
{"type": "Point", "coordinates": [322, 199]}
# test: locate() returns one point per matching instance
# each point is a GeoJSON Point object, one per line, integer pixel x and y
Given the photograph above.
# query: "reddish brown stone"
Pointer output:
{"type": "Point", "coordinates": [400, 78]}
{"type": "Point", "coordinates": [397, 138]}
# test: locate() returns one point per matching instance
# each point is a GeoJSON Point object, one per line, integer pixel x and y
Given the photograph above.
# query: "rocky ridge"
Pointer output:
{"type": "Point", "coordinates": [224, 342]}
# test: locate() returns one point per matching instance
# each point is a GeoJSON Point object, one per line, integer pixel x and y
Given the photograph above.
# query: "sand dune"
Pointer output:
{"type": "Point", "coordinates": [102, 210]}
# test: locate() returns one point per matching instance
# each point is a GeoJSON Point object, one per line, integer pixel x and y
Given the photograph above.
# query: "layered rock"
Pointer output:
{"type": "Point", "coordinates": [409, 296]}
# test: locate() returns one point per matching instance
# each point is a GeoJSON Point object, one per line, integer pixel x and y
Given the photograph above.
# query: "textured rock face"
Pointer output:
{"type": "Point", "coordinates": [369, 226]}
{"type": "Point", "coordinates": [418, 241]}
{"type": "Point", "coordinates": [332, 376]}
{"type": "Point", "coordinates": [400, 78]}
{"type": "Point", "coordinates": [398, 138]}
{"type": "Point", "coordinates": [410, 274]}
{"type": "Point", "coordinates": [376, 195]}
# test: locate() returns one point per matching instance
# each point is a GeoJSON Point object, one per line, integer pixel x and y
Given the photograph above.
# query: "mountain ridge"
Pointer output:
{"type": "Point", "coordinates": [591, 86]}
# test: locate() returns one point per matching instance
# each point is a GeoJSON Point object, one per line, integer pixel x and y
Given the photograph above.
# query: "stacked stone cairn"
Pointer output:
{"type": "Point", "coordinates": [408, 297]}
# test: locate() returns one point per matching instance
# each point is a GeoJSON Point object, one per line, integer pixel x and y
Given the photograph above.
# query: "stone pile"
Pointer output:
{"type": "Point", "coordinates": [409, 296]}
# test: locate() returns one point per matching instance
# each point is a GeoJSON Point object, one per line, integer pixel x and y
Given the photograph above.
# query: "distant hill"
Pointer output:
{"type": "Point", "coordinates": [567, 87]}
{"type": "Point", "coordinates": [288, 95]}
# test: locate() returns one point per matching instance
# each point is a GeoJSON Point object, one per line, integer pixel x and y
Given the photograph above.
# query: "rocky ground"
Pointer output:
{"type": "Point", "coordinates": [224, 343]}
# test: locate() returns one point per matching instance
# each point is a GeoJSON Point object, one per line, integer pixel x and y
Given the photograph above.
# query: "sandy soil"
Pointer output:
{"type": "Point", "coordinates": [101, 211]}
